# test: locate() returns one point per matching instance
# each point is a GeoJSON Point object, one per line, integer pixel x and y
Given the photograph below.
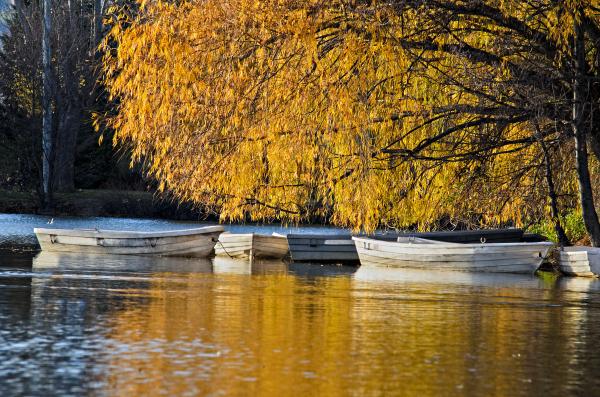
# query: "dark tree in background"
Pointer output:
{"type": "Point", "coordinates": [72, 94]}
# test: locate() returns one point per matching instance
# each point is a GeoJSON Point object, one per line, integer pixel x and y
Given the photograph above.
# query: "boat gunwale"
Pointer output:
{"type": "Point", "coordinates": [129, 234]}
{"type": "Point", "coordinates": [252, 234]}
{"type": "Point", "coordinates": [439, 244]}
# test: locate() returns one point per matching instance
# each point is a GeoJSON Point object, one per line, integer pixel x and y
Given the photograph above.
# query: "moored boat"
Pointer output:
{"type": "Point", "coordinates": [580, 261]}
{"type": "Point", "coordinates": [197, 242]}
{"type": "Point", "coordinates": [322, 248]}
{"type": "Point", "coordinates": [339, 248]}
{"type": "Point", "coordinates": [419, 253]}
{"type": "Point", "coordinates": [241, 245]}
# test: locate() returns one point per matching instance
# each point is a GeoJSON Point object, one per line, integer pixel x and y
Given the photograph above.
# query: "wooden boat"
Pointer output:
{"type": "Point", "coordinates": [580, 261]}
{"type": "Point", "coordinates": [241, 245]}
{"type": "Point", "coordinates": [339, 248]}
{"type": "Point", "coordinates": [419, 253]}
{"type": "Point", "coordinates": [322, 248]}
{"type": "Point", "coordinates": [198, 242]}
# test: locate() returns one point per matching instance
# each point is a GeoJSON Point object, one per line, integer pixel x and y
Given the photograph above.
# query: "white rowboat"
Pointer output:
{"type": "Point", "coordinates": [241, 245]}
{"type": "Point", "coordinates": [198, 242]}
{"type": "Point", "coordinates": [419, 253]}
{"type": "Point", "coordinates": [580, 261]}
{"type": "Point", "coordinates": [339, 248]}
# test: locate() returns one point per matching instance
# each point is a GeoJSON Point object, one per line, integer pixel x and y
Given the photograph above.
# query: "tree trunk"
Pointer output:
{"type": "Point", "coordinates": [563, 240]}
{"type": "Point", "coordinates": [47, 144]}
{"type": "Point", "coordinates": [68, 110]}
{"type": "Point", "coordinates": [590, 217]}
{"type": "Point", "coordinates": [64, 156]}
{"type": "Point", "coordinates": [97, 22]}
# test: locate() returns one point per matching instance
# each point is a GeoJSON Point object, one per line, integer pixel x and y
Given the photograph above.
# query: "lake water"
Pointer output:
{"type": "Point", "coordinates": [18, 228]}
{"type": "Point", "coordinates": [74, 325]}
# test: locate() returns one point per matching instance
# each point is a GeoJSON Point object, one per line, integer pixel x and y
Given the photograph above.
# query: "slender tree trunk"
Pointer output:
{"type": "Point", "coordinates": [563, 240]}
{"type": "Point", "coordinates": [68, 108]}
{"type": "Point", "coordinates": [47, 144]}
{"type": "Point", "coordinates": [97, 23]}
{"type": "Point", "coordinates": [590, 217]}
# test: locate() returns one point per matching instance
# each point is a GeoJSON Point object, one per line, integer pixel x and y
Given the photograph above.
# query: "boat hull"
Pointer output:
{"type": "Point", "coordinates": [243, 245]}
{"type": "Point", "coordinates": [580, 261]}
{"type": "Point", "coordinates": [484, 257]}
{"type": "Point", "coordinates": [198, 243]}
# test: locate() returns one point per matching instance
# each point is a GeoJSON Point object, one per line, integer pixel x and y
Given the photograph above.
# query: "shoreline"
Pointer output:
{"type": "Point", "coordinates": [103, 203]}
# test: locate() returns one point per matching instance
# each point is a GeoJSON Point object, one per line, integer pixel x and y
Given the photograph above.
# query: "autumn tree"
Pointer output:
{"type": "Point", "coordinates": [370, 113]}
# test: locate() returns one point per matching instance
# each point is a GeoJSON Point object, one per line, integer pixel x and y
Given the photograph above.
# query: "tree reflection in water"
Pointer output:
{"type": "Point", "coordinates": [152, 326]}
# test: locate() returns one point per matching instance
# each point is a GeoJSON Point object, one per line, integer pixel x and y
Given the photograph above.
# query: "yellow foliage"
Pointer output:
{"type": "Point", "coordinates": [286, 109]}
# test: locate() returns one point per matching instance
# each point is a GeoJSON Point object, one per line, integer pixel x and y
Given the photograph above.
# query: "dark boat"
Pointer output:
{"type": "Point", "coordinates": [339, 248]}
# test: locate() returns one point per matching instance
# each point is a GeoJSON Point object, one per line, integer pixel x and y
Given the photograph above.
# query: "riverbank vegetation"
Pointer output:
{"type": "Point", "coordinates": [369, 114]}
{"type": "Point", "coordinates": [572, 224]}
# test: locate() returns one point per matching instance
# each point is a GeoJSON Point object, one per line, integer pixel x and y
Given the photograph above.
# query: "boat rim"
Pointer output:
{"type": "Point", "coordinates": [277, 235]}
{"type": "Point", "coordinates": [129, 233]}
{"type": "Point", "coordinates": [442, 244]}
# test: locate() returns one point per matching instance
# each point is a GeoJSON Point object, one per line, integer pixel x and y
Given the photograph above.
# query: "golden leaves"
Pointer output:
{"type": "Point", "coordinates": [280, 109]}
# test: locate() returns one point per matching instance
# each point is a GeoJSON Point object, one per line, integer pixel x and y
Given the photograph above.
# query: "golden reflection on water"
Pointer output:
{"type": "Point", "coordinates": [234, 335]}
{"type": "Point", "coordinates": [260, 329]}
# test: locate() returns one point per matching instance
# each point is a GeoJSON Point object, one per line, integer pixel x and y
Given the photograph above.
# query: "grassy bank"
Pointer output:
{"type": "Point", "coordinates": [119, 203]}
{"type": "Point", "coordinates": [572, 223]}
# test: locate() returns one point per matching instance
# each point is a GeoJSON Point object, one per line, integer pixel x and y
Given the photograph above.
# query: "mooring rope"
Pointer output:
{"type": "Point", "coordinates": [222, 246]}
